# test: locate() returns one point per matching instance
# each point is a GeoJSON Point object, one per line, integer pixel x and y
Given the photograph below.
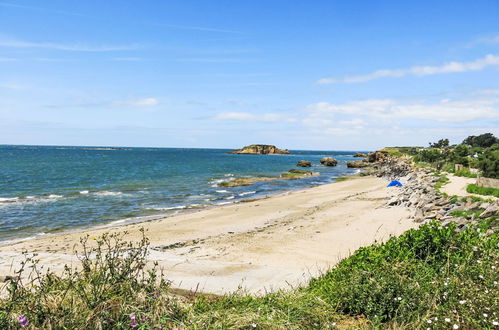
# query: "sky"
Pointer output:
{"type": "Point", "coordinates": [315, 75]}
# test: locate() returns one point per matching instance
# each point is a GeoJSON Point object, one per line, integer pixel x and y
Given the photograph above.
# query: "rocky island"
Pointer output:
{"type": "Point", "coordinates": [260, 149]}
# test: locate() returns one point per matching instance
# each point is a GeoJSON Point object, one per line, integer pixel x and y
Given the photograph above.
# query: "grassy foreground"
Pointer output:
{"type": "Point", "coordinates": [433, 277]}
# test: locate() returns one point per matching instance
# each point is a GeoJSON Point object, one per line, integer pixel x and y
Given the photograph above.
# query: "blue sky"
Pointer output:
{"type": "Point", "coordinates": [299, 74]}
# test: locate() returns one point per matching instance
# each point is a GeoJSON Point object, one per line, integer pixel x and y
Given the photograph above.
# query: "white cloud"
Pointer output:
{"type": "Point", "coordinates": [64, 47]}
{"type": "Point", "coordinates": [442, 111]}
{"type": "Point", "coordinates": [147, 102]}
{"type": "Point", "coordinates": [451, 67]}
{"type": "Point", "coordinates": [246, 116]}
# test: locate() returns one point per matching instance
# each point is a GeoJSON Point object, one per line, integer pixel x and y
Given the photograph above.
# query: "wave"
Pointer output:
{"type": "Point", "coordinates": [84, 192]}
{"type": "Point", "coordinates": [108, 193]}
{"type": "Point", "coordinates": [230, 197]}
{"type": "Point", "coordinates": [221, 191]}
{"type": "Point", "coordinates": [29, 199]}
{"type": "Point", "coordinates": [247, 193]}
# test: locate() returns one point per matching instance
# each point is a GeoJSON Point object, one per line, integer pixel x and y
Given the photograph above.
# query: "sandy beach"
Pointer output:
{"type": "Point", "coordinates": [259, 246]}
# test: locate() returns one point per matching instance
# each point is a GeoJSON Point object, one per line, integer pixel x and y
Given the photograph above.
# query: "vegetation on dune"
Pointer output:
{"type": "Point", "coordinates": [474, 189]}
{"type": "Point", "coordinates": [478, 152]}
{"type": "Point", "coordinates": [430, 277]}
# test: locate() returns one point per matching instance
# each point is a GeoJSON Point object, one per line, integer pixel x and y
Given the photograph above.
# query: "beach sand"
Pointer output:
{"type": "Point", "coordinates": [260, 246]}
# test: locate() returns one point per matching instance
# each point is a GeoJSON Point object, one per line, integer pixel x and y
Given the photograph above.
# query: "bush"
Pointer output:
{"type": "Point", "coordinates": [488, 162]}
{"type": "Point", "coordinates": [474, 189]}
{"type": "Point", "coordinates": [424, 276]}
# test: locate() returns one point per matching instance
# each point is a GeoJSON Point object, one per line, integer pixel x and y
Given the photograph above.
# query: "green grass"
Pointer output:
{"type": "Point", "coordinates": [428, 274]}
{"type": "Point", "coordinates": [466, 213]}
{"type": "Point", "coordinates": [486, 191]}
{"type": "Point", "coordinates": [465, 173]}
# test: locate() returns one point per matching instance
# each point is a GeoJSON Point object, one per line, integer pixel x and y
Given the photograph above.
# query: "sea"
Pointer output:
{"type": "Point", "coordinates": [52, 189]}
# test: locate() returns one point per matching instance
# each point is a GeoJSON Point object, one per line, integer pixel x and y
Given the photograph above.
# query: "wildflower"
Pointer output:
{"type": "Point", "coordinates": [399, 298]}
{"type": "Point", "coordinates": [429, 321]}
{"type": "Point", "coordinates": [462, 302]}
{"type": "Point", "coordinates": [446, 283]}
{"type": "Point", "coordinates": [495, 323]}
{"type": "Point", "coordinates": [481, 276]}
{"type": "Point", "coordinates": [447, 319]}
{"type": "Point", "coordinates": [253, 325]}
{"type": "Point", "coordinates": [493, 267]}
{"type": "Point", "coordinates": [23, 320]}
{"type": "Point", "coordinates": [479, 261]}
{"type": "Point", "coordinates": [133, 320]}
{"type": "Point", "coordinates": [485, 314]}
{"type": "Point", "coordinates": [455, 326]}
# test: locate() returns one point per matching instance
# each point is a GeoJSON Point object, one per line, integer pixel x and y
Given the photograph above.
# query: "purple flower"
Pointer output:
{"type": "Point", "coordinates": [134, 323]}
{"type": "Point", "coordinates": [23, 320]}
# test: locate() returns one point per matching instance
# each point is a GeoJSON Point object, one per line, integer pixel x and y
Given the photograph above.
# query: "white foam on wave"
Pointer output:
{"type": "Point", "coordinates": [8, 199]}
{"type": "Point", "coordinates": [168, 208]}
{"type": "Point", "coordinates": [247, 193]}
{"type": "Point", "coordinates": [108, 193]}
{"type": "Point", "coordinates": [221, 191]}
{"type": "Point", "coordinates": [54, 196]}
{"type": "Point", "coordinates": [84, 192]}
{"type": "Point", "coordinates": [230, 197]}
{"type": "Point", "coordinates": [224, 203]}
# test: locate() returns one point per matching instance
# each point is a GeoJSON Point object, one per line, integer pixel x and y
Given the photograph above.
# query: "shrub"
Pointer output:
{"type": "Point", "coordinates": [425, 275]}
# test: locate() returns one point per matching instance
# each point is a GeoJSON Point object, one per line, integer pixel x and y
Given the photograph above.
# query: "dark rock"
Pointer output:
{"type": "Point", "coordinates": [304, 163]}
{"type": "Point", "coordinates": [357, 164]}
{"type": "Point", "coordinates": [260, 149]}
{"type": "Point", "coordinates": [360, 154]}
{"type": "Point", "coordinates": [329, 161]}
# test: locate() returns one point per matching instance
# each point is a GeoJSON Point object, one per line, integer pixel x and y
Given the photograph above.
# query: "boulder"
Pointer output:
{"type": "Point", "coordinates": [357, 164]}
{"type": "Point", "coordinates": [489, 211]}
{"type": "Point", "coordinates": [260, 149]}
{"type": "Point", "coordinates": [329, 161]}
{"type": "Point", "coordinates": [304, 163]}
{"type": "Point", "coordinates": [360, 155]}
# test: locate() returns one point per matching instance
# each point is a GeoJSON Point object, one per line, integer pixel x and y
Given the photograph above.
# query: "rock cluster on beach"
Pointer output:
{"type": "Point", "coordinates": [419, 194]}
{"type": "Point", "coordinates": [260, 149]}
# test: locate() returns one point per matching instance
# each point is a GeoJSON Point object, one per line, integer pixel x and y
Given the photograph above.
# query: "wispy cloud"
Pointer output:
{"type": "Point", "coordinates": [246, 116]}
{"type": "Point", "coordinates": [66, 47]}
{"type": "Point", "coordinates": [7, 59]}
{"type": "Point", "coordinates": [15, 5]}
{"type": "Point", "coordinates": [195, 28]}
{"type": "Point", "coordinates": [489, 40]}
{"type": "Point", "coordinates": [445, 110]}
{"type": "Point", "coordinates": [419, 71]}
{"type": "Point", "coordinates": [146, 102]}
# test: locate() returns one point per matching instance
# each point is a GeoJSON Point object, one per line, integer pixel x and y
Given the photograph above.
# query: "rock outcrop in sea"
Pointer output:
{"type": "Point", "coordinates": [260, 149]}
{"type": "Point", "coordinates": [329, 161]}
{"type": "Point", "coordinates": [304, 163]}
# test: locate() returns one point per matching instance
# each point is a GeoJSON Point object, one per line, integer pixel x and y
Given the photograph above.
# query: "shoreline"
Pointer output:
{"type": "Point", "coordinates": [146, 218]}
{"type": "Point", "coordinates": [249, 245]}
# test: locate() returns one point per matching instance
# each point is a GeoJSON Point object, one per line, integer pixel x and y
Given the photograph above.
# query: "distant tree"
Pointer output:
{"type": "Point", "coordinates": [442, 143]}
{"type": "Point", "coordinates": [429, 156]}
{"type": "Point", "coordinates": [459, 154]}
{"type": "Point", "coordinates": [483, 141]}
{"type": "Point", "coordinates": [488, 162]}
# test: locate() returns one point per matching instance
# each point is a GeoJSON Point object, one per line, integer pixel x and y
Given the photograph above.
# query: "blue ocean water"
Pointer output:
{"type": "Point", "coordinates": [51, 189]}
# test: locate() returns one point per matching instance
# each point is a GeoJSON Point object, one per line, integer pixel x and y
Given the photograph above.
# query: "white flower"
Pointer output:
{"type": "Point", "coordinates": [485, 315]}
{"type": "Point", "coordinates": [429, 321]}
{"type": "Point", "coordinates": [253, 325]}
{"type": "Point", "coordinates": [493, 267]}
{"type": "Point", "coordinates": [495, 323]}
{"type": "Point", "coordinates": [455, 326]}
{"type": "Point", "coordinates": [446, 283]}
{"type": "Point", "coordinates": [481, 276]}
{"type": "Point", "coordinates": [479, 261]}
{"type": "Point", "coordinates": [462, 302]}
{"type": "Point", "coordinates": [447, 319]}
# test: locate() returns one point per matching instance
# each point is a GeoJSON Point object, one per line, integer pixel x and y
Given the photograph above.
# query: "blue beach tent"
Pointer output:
{"type": "Point", "coordinates": [394, 183]}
